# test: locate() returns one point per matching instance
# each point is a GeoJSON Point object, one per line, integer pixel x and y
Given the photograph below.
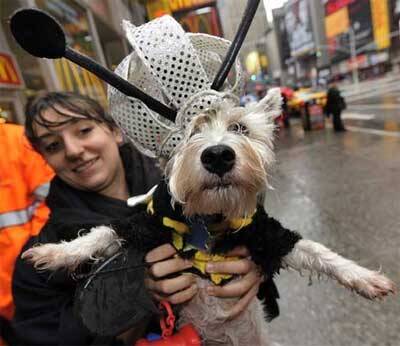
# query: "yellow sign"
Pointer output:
{"type": "Point", "coordinates": [177, 5]}
{"type": "Point", "coordinates": [252, 62]}
{"type": "Point", "coordinates": [157, 8]}
{"type": "Point", "coordinates": [8, 70]}
{"type": "Point", "coordinates": [337, 23]}
{"type": "Point", "coordinates": [380, 23]}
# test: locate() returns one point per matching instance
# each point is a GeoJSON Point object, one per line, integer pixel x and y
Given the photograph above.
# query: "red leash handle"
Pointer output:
{"type": "Point", "coordinates": [186, 336]}
{"type": "Point", "coordinates": [167, 322]}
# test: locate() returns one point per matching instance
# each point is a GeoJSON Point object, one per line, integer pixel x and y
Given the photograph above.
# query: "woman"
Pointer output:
{"type": "Point", "coordinates": [335, 104]}
{"type": "Point", "coordinates": [95, 174]}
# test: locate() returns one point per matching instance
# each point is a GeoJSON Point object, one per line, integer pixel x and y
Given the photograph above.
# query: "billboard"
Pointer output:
{"type": "Point", "coordinates": [299, 27]}
{"type": "Point", "coordinates": [341, 16]}
{"type": "Point", "coordinates": [380, 19]}
{"type": "Point", "coordinates": [395, 21]}
{"type": "Point", "coordinates": [337, 23]}
{"type": "Point", "coordinates": [332, 6]}
{"type": "Point", "coordinates": [361, 22]}
{"type": "Point", "coordinates": [205, 21]}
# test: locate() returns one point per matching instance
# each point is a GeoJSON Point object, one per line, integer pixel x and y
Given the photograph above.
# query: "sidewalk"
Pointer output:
{"type": "Point", "coordinates": [390, 82]}
{"type": "Point", "coordinates": [343, 191]}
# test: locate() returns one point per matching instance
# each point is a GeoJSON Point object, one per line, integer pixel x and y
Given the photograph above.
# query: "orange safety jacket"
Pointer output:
{"type": "Point", "coordinates": [24, 184]}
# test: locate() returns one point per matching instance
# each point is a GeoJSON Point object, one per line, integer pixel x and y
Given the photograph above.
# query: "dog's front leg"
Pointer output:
{"type": "Point", "coordinates": [312, 256]}
{"type": "Point", "coordinates": [100, 242]}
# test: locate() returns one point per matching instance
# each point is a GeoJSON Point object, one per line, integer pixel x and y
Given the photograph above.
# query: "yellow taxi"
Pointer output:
{"type": "Point", "coordinates": [301, 96]}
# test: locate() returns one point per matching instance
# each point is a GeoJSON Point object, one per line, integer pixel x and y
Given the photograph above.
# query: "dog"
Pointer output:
{"type": "Point", "coordinates": [222, 167]}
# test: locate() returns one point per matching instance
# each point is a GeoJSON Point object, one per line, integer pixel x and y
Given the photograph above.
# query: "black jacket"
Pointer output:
{"type": "Point", "coordinates": [44, 312]}
{"type": "Point", "coordinates": [335, 102]}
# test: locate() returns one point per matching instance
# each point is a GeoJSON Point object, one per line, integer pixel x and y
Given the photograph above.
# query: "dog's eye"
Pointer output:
{"type": "Point", "coordinates": [195, 130]}
{"type": "Point", "coordinates": [238, 128]}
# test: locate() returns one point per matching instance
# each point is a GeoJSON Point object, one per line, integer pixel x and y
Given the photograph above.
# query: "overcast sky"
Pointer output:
{"type": "Point", "coordinates": [276, 3]}
{"type": "Point", "coordinates": [270, 5]}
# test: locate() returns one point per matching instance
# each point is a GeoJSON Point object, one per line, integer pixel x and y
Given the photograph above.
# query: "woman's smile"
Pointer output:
{"type": "Point", "coordinates": [85, 167]}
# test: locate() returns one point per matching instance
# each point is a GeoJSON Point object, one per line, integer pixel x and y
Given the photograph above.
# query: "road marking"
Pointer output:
{"type": "Point", "coordinates": [357, 116]}
{"type": "Point", "coordinates": [374, 106]}
{"type": "Point", "coordinates": [375, 90]}
{"type": "Point", "coordinates": [373, 131]}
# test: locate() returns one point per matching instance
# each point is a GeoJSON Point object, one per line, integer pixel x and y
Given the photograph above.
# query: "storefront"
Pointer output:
{"type": "Point", "coordinates": [88, 29]}
{"type": "Point", "coordinates": [10, 85]}
{"type": "Point", "coordinates": [194, 15]}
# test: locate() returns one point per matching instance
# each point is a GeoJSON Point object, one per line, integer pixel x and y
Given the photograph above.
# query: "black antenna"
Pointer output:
{"type": "Point", "coordinates": [42, 36]}
{"type": "Point", "coordinates": [233, 51]}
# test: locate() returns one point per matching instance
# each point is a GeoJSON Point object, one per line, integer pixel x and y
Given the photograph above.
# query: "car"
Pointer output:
{"type": "Point", "coordinates": [296, 104]}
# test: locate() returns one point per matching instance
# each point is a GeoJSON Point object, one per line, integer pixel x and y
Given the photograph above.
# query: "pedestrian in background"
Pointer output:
{"type": "Point", "coordinates": [285, 111]}
{"type": "Point", "coordinates": [335, 104]}
{"type": "Point", "coordinates": [24, 184]}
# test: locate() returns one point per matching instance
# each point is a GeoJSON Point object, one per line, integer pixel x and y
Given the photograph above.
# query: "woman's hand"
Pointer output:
{"type": "Point", "coordinates": [177, 289]}
{"type": "Point", "coordinates": [246, 287]}
{"type": "Point", "coordinates": [182, 287]}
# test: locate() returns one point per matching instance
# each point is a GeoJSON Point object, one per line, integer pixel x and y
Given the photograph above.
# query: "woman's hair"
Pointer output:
{"type": "Point", "coordinates": [60, 102]}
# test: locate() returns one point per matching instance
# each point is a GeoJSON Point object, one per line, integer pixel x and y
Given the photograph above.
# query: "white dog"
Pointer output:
{"type": "Point", "coordinates": [221, 167]}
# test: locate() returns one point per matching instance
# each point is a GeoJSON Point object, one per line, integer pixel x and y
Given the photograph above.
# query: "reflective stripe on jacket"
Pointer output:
{"type": "Point", "coordinates": [24, 184]}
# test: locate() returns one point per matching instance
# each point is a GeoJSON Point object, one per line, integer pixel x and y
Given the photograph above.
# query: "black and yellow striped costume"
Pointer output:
{"type": "Point", "coordinates": [267, 240]}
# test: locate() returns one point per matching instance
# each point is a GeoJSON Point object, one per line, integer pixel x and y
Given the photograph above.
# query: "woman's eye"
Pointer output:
{"type": "Point", "coordinates": [238, 128]}
{"type": "Point", "coordinates": [52, 147]}
{"type": "Point", "coordinates": [86, 130]}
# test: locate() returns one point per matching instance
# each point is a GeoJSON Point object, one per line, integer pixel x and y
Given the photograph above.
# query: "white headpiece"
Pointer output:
{"type": "Point", "coordinates": [174, 75]}
{"type": "Point", "coordinates": [177, 69]}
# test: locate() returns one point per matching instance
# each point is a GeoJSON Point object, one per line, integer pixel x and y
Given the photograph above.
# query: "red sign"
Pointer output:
{"type": "Point", "coordinates": [8, 71]}
{"type": "Point", "coordinates": [358, 62]}
{"type": "Point", "coordinates": [317, 119]}
{"type": "Point", "coordinates": [335, 5]}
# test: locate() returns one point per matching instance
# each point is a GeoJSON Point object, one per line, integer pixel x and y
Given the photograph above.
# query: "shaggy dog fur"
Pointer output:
{"type": "Point", "coordinates": [230, 180]}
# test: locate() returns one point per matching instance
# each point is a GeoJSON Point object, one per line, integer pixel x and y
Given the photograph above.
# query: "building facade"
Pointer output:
{"type": "Point", "coordinates": [91, 27]}
{"type": "Point", "coordinates": [337, 39]}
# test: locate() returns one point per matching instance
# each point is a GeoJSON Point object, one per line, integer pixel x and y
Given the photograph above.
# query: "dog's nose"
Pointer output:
{"type": "Point", "coordinates": [218, 159]}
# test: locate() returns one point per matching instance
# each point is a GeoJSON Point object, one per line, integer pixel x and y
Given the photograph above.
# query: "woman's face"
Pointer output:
{"type": "Point", "coordinates": [83, 153]}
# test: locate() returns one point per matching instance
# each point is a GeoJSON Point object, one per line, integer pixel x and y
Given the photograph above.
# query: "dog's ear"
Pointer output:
{"type": "Point", "coordinates": [270, 105]}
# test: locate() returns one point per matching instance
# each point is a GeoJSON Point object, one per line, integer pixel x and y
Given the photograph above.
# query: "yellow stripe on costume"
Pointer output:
{"type": "Point", "coordinates": [240, 223]}
{"type": "Point", "coordinates": [180, 227]}
{"type": "Point", "coordinates": [201, 259]}
{"type": "Point", "coordinates": [177, 241]}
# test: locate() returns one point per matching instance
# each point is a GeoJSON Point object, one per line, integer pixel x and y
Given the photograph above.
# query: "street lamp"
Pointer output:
{"type": "Point", "coordinates": [353, 54]}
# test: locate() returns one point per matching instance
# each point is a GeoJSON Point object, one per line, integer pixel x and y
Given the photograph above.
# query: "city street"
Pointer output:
{"type": "Point", "coordinates": [376, 106]}
{"type": "Point", "coordinates": [341, 190]}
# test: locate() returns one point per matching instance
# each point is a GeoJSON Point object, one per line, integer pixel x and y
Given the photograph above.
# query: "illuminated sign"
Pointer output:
{"type": "Point", "coordinates": [380, 20]}
{"type": "Point", "coordinates": [157, 8]}
{"type": "Point", "coordinates": [177, 5]}
{"type": "Point", "coordinates": [9, 75]}
{"type": "Point", "coordinates": [332, 6]}
{"type": "Point", "coordinates": [337, 23]}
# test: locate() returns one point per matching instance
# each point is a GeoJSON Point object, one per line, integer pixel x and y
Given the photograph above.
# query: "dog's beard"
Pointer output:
{"type": "Point", "coordinates": [203, 193]}
{"type": "Point", "coordinates": [232, 201]}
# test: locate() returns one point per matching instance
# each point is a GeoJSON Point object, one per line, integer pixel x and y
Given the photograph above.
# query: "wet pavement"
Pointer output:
{"type": "Point", "coordinates": [379, 111]}
{"type": "Point", "coordinates": [342, 190]}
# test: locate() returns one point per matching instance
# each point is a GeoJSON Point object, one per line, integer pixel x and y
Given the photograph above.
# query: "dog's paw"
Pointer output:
{"type": "Point", "coordinates": [48, 257]}
{"type": "Point", "coordinates": [373, 286]}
